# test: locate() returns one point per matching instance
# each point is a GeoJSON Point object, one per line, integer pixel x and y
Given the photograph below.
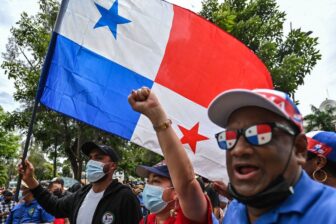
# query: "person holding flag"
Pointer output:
{"type": "Point", "coordinates": [173, 186]}
{"type": "Point", "coordinates": [104, 200]}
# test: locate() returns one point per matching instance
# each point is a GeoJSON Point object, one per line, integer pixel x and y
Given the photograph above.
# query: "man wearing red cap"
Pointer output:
{"type": "Point", "coordinates": [321, 157]}
{"type": "Point", "coordinates": [265, 151]}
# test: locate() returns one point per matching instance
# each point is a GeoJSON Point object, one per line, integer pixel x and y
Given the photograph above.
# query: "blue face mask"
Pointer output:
{"type": "Point", "coordinates": [152, 198]}
{"type": "Point", "coordinates": [94, 170]}
{"type": "Point", "coordinates": [21, 196]}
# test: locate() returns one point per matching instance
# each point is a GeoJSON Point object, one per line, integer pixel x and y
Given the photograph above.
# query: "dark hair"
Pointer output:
{"type": "Point", "coordinates": [7, 193]}
{"type": "Point", "coordinates": [58, 181]}
{"type": "Point", "coordinates": [330, 167]}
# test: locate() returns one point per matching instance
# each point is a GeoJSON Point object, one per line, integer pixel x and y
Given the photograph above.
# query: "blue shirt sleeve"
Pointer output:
{"type": "Point", "coordinates": [46, 217]}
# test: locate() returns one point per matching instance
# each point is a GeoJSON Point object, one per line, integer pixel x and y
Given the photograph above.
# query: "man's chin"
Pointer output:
{"type": "Point", "coordinates": [101, 179]}
{"type": "Point", "coordinates": [247, 191]}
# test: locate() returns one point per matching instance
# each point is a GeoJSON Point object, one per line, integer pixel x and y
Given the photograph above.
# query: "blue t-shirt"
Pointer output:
{"type": "Point", "coordinates": [311, 202]}
{"type": "Point", "coordinates": [29, 213]}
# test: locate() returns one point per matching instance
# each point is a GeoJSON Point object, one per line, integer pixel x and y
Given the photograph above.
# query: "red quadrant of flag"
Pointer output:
{"type": "Point", "coordinates": [201, 61]}
{"type": "Point", "coordinates": [230, 135]}
{"type": "Point", "coordinates": [263, 129]}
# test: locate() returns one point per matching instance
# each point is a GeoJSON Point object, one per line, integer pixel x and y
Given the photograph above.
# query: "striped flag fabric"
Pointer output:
{"type": "Point", "coordinates": [103, 49]}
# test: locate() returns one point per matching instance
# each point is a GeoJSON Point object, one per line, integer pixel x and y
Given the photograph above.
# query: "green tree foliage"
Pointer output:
{"type": "Point", "coordinates": [66, 171]}
{"type": "Point", "coordinates": [43, 168]}
{"type": "Point", "coordinates": [321, 119]}
{"type": "Point", "coordinates": [134, 155]}
{"type": "Point", "coordinates": [259, 25]}
{"type": "Point", "coordinates": [3, 175]}
{"type": "Point", "coordinates": [9, 145]}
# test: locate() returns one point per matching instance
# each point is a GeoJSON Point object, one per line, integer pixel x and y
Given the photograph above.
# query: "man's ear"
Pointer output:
{"type": "Point", "coordinates": [300, 145]}
{"type": "Point", "coordinates": [110, 167]}
{"type": "Point", "coordinates": [114, 166]}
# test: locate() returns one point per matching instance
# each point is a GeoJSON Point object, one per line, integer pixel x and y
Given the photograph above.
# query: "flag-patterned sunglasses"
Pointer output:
{"type": "Point", "coordinates": [257, 135]}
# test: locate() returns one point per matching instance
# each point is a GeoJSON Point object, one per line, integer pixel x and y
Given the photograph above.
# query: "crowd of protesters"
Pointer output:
{"type": "Point", "coordinates": [277, 174]}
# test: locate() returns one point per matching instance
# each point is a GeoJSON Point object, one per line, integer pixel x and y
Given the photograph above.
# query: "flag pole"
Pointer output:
{"type": "Point", "coordinates": [42, 82]}
{"type": "Point", "coordinates": [25, 150]}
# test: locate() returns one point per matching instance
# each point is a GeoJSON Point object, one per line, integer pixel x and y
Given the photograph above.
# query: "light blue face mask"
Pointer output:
{"type": "Point", "coordinates": [94, 170]}
{"type": "Point", "coordinates": [21, 196]}
{"type": "Point", "coordinates": [152, 198]}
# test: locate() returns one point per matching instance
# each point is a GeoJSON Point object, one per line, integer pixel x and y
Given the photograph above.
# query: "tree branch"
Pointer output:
{"type": "Point", "coordinates": [29, 62]}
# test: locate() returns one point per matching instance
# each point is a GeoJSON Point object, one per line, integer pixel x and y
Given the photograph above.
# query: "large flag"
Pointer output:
{"type": "Point", "coordinates": [103, 49]}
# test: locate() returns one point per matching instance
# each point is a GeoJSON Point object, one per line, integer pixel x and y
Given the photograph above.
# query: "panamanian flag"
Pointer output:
{"type": "Point", "coordinates": [103, 49]}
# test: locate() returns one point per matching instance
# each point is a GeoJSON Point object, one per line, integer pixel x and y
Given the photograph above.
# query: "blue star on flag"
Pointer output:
{"type": "Point", "coordinates": [110, 18]}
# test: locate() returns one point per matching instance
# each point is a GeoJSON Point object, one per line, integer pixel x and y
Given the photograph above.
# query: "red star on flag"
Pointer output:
{"type": "Point", "coordinates": [191, 136]}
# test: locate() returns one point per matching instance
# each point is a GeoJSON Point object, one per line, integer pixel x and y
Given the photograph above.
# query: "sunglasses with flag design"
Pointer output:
{"type": "Point", "coordinates": [257, 135]}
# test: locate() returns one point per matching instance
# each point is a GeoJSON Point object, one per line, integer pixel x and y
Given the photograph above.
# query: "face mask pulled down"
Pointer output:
{"type": "Point", "coordinates": [95, 171]}
{"type": "Point", "coordinates": [152, 198]}
{"type": "Point", "coordinates": [276, 192]}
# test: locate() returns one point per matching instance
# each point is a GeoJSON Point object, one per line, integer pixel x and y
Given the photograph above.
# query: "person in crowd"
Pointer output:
{"type": "Point", "coordinates": [56, 186]}
{"type": "Point", "coordinates": [137, 190]}
{"type": "Point", "coordinates": [103, 201]}
{"type": "Point", "coordinates": [6, 205]}
{"type": "Point", "coordinates": [160, 196]}
{"type": "Point", "coordinates": [28, 210]}
{"type": "Point", "coordinates": [224, 197]}
{"type": "Point", "coordinates": [180, 189]}
{"type": "Point", "coordinates": [265, 151]}
{"type": "Point", "coordinates": [214, 198]}
{"type": "Point", "coordinates": [321, 157]}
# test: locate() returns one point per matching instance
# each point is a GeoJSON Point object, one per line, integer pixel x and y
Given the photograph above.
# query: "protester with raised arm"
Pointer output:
{"type": "Point", "coordinates": [192, 202]}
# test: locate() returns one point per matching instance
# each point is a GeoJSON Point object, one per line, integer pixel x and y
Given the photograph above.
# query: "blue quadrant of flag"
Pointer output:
{"type": "Point", "coordinates": [91, 88]}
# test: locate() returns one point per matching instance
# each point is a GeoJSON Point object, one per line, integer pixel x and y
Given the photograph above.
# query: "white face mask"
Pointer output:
{"type": "Point", "coordinates": [95, 170]}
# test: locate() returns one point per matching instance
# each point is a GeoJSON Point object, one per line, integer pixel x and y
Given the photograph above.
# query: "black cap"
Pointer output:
{"type": "Point", "coordinates": [88, 146]}
{"type": "Point", "coordinates": [144, 171]}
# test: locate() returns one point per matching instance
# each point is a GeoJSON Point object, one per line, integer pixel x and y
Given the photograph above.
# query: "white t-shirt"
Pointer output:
{"type": "Point", "coordinates": [88, 207]}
